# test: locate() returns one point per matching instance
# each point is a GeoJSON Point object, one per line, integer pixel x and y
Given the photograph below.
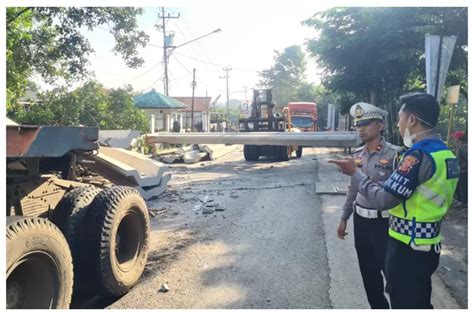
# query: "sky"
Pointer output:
{"type": "Point", "coordinates": [251, 33]}
{"type": "Point", "coordinates": [246, 44]}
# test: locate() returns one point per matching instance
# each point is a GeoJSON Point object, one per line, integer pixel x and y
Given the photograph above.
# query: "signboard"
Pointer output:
{"type": "Point", "coordinates": [438, 53]}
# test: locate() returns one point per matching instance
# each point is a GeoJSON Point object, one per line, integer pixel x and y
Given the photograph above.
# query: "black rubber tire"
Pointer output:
{"type": "Point", "coordinates": [117, 232]}
{"type": "Point", "coordinates": [251, 152]}
{"type": "Point", "coordinates": [39, 265]}
{"type": "Point", "coordinates": [69, 216]}
{"type": "Point", "coordinates": [299, 152]}
{"type": "Point", "coordinates": [281, 153]}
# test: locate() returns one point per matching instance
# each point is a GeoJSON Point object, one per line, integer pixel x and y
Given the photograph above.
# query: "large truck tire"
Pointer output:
{"type": "Point", "coordinates": [39, 265]}
{"type": "Point", "coordinates": [251, 152]}
{"type": "Point", "coordinates": [299, 152]}
{"type": "Point", "coordinates": [117, 229]}
{"type": "Point", "coordinates": [69, 216]}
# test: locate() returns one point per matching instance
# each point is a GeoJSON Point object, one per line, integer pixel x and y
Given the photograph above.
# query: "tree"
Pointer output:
{"type": "Point", "coordinates": [89, 105]}
{"type": "Point", "coordinates": [371, 52]}
{"type": "Point", "coordinates": [376, 54]}
{"type": "Point", "coordinates": [122, 113]}
{"type": "Point", "coordinates": [286, 77]}
{"type": "Point", "coordinates": [47, 41]}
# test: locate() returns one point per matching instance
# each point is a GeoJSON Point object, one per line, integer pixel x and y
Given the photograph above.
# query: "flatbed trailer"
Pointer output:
{"type": "Point", "coordinates": [63, 235]}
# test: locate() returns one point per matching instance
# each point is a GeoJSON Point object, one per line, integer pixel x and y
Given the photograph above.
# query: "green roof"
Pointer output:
{"type": "Point", "coordinates": [156, 100]}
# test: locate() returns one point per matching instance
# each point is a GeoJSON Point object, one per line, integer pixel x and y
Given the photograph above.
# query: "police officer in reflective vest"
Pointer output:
{"type": "Point", "coordinates": [418, 195]}
{"type": "Point", "coordinates": [377, 160]}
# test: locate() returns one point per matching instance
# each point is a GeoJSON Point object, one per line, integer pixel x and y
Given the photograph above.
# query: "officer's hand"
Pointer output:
{"type": "Point", "coordinates": [341, 230]}
{"type": "Point", "coordinates": [348, 165]}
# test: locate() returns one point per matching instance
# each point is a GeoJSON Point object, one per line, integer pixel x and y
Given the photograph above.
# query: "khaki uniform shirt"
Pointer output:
{"type": "Point", "coordinates": [378, 166]}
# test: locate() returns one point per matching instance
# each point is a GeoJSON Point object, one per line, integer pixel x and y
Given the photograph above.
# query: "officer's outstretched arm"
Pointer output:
{"type": "Point", "coordinates": [400, 186]}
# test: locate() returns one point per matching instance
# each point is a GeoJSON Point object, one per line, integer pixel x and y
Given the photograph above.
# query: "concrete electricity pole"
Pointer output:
{"type": "Point", "coordinates": [226, 77]}
{"type": "Point", "coordinates": [166, 43]}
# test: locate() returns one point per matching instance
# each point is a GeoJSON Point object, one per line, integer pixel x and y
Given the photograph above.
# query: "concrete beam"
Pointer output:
{"type": "Point", "coordinates": [124, 167]}
{"type": "Point", "coordinates": [310, 139]}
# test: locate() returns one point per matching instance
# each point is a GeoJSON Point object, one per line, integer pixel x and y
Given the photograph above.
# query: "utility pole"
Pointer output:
{"type": "Point", "coordinates": [246, 101]}
{"type": "Point", "coordinates": [192, 100]}
{"type": "Point", "coordinates": [226, 77]}
{"type": "Point", "coordinates": [208, 119]}
{"type": "Point", "coordinates": [166, 44]}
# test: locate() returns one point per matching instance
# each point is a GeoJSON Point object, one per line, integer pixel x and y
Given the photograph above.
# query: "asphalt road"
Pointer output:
{"type": "Point", "coordinates": [273, 246]}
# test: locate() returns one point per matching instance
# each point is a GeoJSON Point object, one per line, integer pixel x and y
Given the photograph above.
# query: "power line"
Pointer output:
{"type": "Point", "coordinates": [213, 64]}
{"type": "Point", "coordinates": [189, 72]}
{"type": "Point", "coordinates": [202, 61]}
{"type": "Point", "coordinates": [175, 80]}
{"type": "Point", "coordinates": [183, 21]}
{"type": "Point", "coordinates": [145, 72]}
{"type": "Point", "coordinates": [242, 69]}
{"type": "Point", "coordinates": [181, 32]}
{"type": "Point", "coordinates": [151, 86]}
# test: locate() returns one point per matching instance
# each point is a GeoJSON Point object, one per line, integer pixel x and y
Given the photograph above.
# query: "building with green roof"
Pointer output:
{"type": "Point", "coordinates": [164, 108]}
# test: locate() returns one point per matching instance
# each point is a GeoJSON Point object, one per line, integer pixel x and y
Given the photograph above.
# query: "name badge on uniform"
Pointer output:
{"type": "Point", "coordinates": [452, 168]}
{"type": "Point", "coordinates": [383, 161]}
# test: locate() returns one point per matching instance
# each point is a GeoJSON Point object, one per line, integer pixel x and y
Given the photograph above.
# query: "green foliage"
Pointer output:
{"type": "Point", "coordinates": [372, 52]}
{"type": "Point", "coordinates": [47, 41]}
{"type": "Point", "coordinates": [89, 105]}
{"type": "Point", "coordinates": [377, 54]}
{"type": "Point", "coordinates": [459, 121]}
{"type": "Point", "coordinates": [286, 77]}
{"type": "Point", "coordinates": [234, 109]}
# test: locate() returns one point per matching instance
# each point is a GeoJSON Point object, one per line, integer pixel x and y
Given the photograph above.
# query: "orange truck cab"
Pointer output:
{"type": "Point", "coordinates": [302, 116]}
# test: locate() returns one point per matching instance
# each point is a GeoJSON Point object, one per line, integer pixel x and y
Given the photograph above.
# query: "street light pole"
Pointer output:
{"type": "Point", "coordinates": [215, 31]}
{"type": "Point", "coordinates": [166, 46]}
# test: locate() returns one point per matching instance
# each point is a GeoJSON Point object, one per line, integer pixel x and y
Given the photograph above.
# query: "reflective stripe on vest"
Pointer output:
{"type": "Point", "coordinates": [431, 195]}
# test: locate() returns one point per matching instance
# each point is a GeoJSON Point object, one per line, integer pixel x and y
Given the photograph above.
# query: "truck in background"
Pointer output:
{"type": "Point", "coordinates": [264, 119]}
{"type": "Point", "coordinates": [301, 117]}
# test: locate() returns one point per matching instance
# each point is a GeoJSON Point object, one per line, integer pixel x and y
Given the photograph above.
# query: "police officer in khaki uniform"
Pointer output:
{"type": "Point", "coordinates": [377, 159]}
{"type": "Point", "coordinates": [418, 194]}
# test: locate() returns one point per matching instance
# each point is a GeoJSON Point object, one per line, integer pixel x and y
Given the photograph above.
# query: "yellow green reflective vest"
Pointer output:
{"type": "Point", "coordinates": [418, 218]}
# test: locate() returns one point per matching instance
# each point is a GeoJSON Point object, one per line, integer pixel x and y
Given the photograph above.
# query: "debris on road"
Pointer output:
{"type": "Point", "coordinates": [164, 288]}
{"type": "Point", "coordinates": [207, 211]}
{"type": "Point", "coordinates": [156, 212]}
{"type": "Point", "coordinates": [187, 154]}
